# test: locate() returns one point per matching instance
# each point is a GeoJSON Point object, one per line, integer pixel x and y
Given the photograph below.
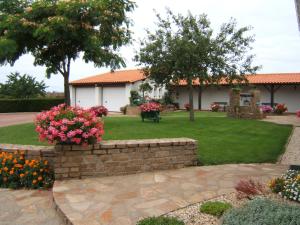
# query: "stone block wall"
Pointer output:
{"type": "Point", "coordinates": [124, 157]}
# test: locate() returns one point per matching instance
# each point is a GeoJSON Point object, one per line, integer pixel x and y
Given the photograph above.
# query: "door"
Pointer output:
{"type": "Point", "coordinates": [114, 98]}
{"type": "Point", "coordinates": [85, 97]}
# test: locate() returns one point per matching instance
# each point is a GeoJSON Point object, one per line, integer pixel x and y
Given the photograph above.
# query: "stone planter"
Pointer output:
{"type": "Point", "coordinates": [152, 115]}
{"type": "Point", "coordinates": [133, 110]}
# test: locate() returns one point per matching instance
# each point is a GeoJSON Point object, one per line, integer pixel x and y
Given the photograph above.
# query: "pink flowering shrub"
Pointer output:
{"type": "Point", "coordinates": [99, 111]}
{"type": "Point", "coordinates": [69, 125]}
{"type": "Point", "coordinates": [266, 109]}
{"type": "Point", "coordinates": [298, 113]}
{"type": "Point", "coordinates": [150, 107]}
{"type": "Point", "coordinates": [215, 107]}
{"type": "Point", "coordinates": [280, 108]}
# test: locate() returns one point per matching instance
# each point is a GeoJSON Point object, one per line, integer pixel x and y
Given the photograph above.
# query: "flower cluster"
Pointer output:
{"type": "Point", "coordinates": [288, 185]}
{"type": "Point", "coordinates": [99, 111]}
{"type": "Point", "coordinates": [187, 106]}
{"type": "Point", "coordinates": [280, 108]}
{"type": "Point", "coordinates": [17, 172]}
{"type": "Point", "coordinates": [69, 125]}
{"type": "Point", "coordinates": [266, 109]}
{"type": "Point", "coordinates": [150, 107]}
{"type": "Point", "coordinates": [298, 113]}
{"type": "Point", "coordinates": [215, 107]}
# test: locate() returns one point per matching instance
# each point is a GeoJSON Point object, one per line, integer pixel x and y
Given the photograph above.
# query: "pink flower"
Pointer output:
{"type": "Point", "coordinates": [71, 134]}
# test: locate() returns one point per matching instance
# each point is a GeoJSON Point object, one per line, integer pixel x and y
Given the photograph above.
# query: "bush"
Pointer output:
{"type": "Point", "coordinates": [69, 125]}
{"type": "Point", "coordinates": [249, 188]}
{"type": "Point", "coordinates": [16, 172]}
{"type": "Point", "coordinates": [160, 221]}
{"type": "Point", "coordinates": [150, 107]}
{"type": "Point", "coordinates": [215, 107]}
{"type": "Point", "coordinates": [263, 211]}
{"type": "Point", "coordinates": [215, 208]}
{"type": "Point", "coordinates": [99, 111]}
{"type": "Point", "coordinates": [266, 109]}
{"type": "Point", "coordinates": [28, 105]}
{"type": "Point", "coordinates": [298, 113]}
{"type": "Point", "coordinates": [187, 106]}
{"type": "Point", "coordinates": [135, 98]}
{"type": "Point", "coordinates": [280, 108]}
{"type": "Point", "coordinates": [288, 185]}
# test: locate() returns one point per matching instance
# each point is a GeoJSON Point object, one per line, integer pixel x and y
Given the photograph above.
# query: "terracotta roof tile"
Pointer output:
{"type": "Point", "coordinates": [268, 78]}
{"type": "Point", "coordinates": [121, 76]}
{"type": "Point", "coordinates": [130, 76]}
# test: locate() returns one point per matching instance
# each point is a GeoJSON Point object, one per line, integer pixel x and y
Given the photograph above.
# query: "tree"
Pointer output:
{"type": "Point", "coordinates": [184, 48]}
{"type": "Point", "coordinates": [145, 87]}
{"type": "Point", "coordinates": [57, 32]}
{"type": "Point", "coordinates": [22, 86]}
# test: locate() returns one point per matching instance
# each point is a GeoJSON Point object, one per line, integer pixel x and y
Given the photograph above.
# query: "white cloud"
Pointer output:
{"type": "Point", "coordinates": [274, 24]}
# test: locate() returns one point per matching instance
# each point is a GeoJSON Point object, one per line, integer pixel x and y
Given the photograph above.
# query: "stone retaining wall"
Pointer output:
{"type": "Point", "coordinates": [124, 157]}
{"type": "Point", "coordinates": [113, 157]}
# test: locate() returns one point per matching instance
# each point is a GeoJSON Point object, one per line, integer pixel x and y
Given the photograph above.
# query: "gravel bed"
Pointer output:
{"type": "Point", "coordinates": [191, 215]}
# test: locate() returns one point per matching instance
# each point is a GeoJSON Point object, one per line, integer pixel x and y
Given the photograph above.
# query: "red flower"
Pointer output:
{"type": "Point", "coordinates": [150, 106]}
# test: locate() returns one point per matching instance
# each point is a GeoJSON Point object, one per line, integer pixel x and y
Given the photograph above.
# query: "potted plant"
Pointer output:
{"type": "Point", "coordinates": [68, 125]}
{"type": "Point", "coordinates": [150, 111]}
{"type": "Point", "coordinates": [280, 109]}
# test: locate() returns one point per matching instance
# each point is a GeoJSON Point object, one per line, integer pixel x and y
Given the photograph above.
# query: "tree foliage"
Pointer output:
{"type": "Point", "coordinates": [186, 48]}
{"type": "Point", "coordinates": [22, 86]}
{"type": "Point", "coordinates": [145, 87]}
{"type": "Point", "coordinates": [57, 32]}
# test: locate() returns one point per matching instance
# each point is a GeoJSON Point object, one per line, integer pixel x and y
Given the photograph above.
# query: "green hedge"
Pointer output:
{"type": "Point", "coordinates": [28, 105]}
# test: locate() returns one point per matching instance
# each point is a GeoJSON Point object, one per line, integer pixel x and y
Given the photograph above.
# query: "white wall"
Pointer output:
{"type": "Point", "coordinates": [289, 95]}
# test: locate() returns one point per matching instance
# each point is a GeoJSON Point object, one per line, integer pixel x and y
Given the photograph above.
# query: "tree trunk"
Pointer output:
{"type": "Point", "coordinates": [191, 100]}
{"type": "Point", "coordinates": [66, 88]}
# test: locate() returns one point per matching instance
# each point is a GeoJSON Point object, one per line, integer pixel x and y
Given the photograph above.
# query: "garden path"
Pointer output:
{"type": "Point", "coordinates": [7, 119]}
{"type": "Point", "coordinates": [292, 153]}
{"type": "Point", "coordinates": [27, 207]}
{"type": "Point", "coordinates": [123, 200]}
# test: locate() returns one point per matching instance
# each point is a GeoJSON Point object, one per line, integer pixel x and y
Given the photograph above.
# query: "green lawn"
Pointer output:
{"type": "Point", "coordinates": [221, 139]}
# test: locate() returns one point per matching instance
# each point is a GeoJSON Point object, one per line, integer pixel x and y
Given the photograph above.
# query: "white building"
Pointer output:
{"type": "Point", "coordinates": [113, 90]}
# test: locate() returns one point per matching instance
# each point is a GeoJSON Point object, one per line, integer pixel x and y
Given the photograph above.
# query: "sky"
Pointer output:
{"type": "Point", "coordinates": [274, 22]}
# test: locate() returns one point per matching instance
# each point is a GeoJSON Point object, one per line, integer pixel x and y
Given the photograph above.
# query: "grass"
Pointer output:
{"type": "Point", "coordinates": [221, 140]}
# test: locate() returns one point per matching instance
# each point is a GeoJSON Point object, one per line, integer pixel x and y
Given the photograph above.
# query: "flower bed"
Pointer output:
{"type": "Point", "coordinates": [287, 186]}
{"type": "Point", "coordinates": [69, 125]}
{"type": "Point", "coordinates": [150, 111]}
{"type": "Point", "coordinates": [16, 172]}
{"type": "Point", "coordinates": [266, 109]}
{"type": "Point", "coordinates": [99, 111]}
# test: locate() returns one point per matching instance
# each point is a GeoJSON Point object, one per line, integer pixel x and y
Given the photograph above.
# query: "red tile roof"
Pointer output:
{"type": "Point", "coordinates": [130, 76]}
{"type": "Point", "coordinates": [121, 76]}
{"type": "Point", "coordinates": [267, 78]}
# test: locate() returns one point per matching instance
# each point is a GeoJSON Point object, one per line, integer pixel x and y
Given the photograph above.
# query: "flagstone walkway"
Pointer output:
{"type": "Point", "coordinates": [123, 200]}
{"type": "Point", "coordinates": [27, 207]}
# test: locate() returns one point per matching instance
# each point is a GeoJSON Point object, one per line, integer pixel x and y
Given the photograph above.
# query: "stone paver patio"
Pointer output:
{"type": "Point", "coordinates": [27, 207]}
{"type": "Point", "coordinates": [284, 119]}
{"type": "Point", "coordinates": [123, 200]}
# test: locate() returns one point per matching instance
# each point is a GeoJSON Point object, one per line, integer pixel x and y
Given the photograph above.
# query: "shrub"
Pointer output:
{"type": "Point", "coordinates": [99, 111]}
{"type": "Point", "coordinates": [298, 113]}
{"type": "Point", "coordinates": [160, 221]}
{"type": "Point", "coordinates": [69, 125]}
{"type": "Point", "coordinates": [135, 98]}
{"type": "Point", "coordinates": [280, 108]}
{"type": "Point", "coordinates": [249, 188]}
{"type": "Point", "coordinates": [215, 208]}
{"type": "Point", "coordinates": [288, 185]}
{"type": "Point", "coordinates": [28, 105]}
{"type": "Point", "coordinates": [215, 107]}
{"type": "Point", "coordinates": [150, 107]}
{"type": "Point", "coordinates": [264, 212]}
{"type": "Point", "coordinates": [266, 109]}
{"type": "Point", "coordinates": [16, 172]}
{"type": "Point", "coordinates": [187, 106]}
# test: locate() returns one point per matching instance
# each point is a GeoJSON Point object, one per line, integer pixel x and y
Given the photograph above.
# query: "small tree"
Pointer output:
{"type": "Point", "coordinates": [22, 86]}
{"type": "Point", "coordinates": [57, 32]}
{"type": "Point", "coordinates": [186, 49]}
{"type": "Point", "coordinates": [144, 88]}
